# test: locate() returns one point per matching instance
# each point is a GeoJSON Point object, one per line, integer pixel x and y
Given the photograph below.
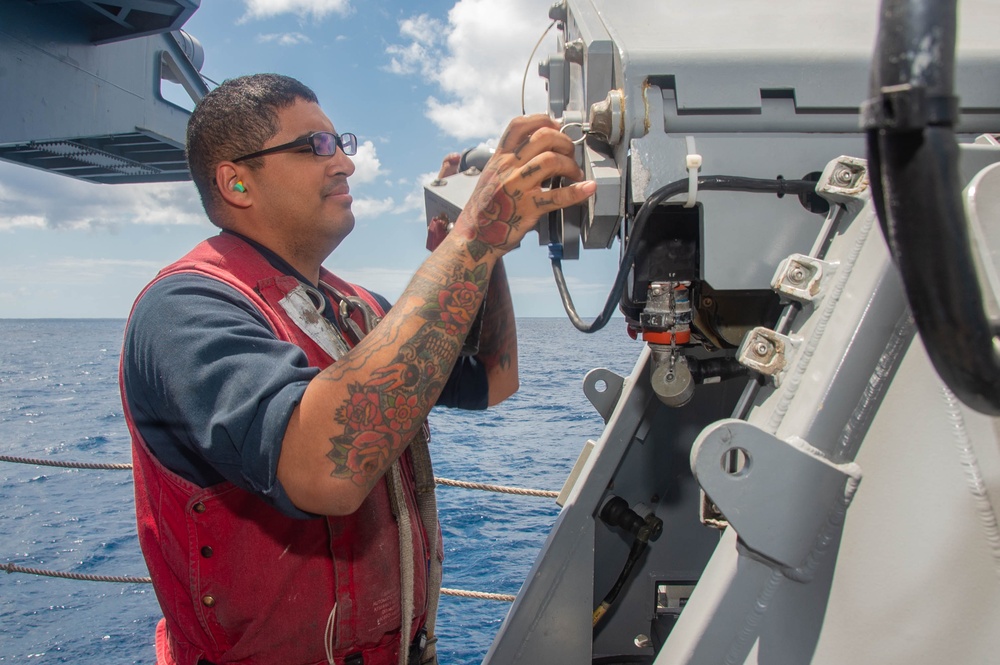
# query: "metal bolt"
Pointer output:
{"type": "Point", "coordinates": [656, 289]}
{"type": "Point", "coordinates": [643, 641]}
{"type": "Point", "coordinates": [707, 302]}
{"type": "Point", "coordinates": [844, 176]}
{"type": "Point", "coordinates": [797, 274]}
{"type": "Point", "coordinates": [761, 348]}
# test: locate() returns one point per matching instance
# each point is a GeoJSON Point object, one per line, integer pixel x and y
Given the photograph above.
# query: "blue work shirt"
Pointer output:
{"type": "Point", "coordinates": [211, 388]}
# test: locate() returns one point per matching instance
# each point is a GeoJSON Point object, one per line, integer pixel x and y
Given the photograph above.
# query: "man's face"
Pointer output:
{"type": "Point", "coordinates": [303, 196]}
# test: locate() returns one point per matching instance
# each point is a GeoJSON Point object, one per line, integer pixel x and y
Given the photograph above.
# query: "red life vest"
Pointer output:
{"type": "Point", "coordinates": [237, 580]}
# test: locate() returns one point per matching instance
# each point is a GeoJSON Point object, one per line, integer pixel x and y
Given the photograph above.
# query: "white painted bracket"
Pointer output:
{"type": "Point", "coordinates": [766, 352]}
{"type": "Point", "coordinates": [802, 278]}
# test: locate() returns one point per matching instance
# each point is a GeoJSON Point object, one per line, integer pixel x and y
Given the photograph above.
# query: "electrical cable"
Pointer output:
{"type": "Point", "coordinates": [638, 547]}
{"type": "Point", "coordinates": [778, 186]}
{"type": "Point", "coordinates": [916, 180]}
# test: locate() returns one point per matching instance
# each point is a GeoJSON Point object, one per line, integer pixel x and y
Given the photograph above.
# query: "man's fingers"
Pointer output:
{"type": "Point", "coordinates": [546, 166]}
{"type": "Point", "coordinates": [539, 142]}
{"type": "Point", "coordinates": [562, 197]}
{"type": "Point", "coordinates": [520, 130]}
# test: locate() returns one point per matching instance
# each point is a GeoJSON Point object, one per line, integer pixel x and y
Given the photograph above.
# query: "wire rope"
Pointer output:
{"type": "Point", "coordinates": [527, 66]}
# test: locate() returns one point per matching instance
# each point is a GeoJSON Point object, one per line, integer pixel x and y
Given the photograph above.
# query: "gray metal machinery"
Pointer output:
{"type": "Point", "coordinates": [82, 87]}
{"type": "Point", "coordinates": [721, 516]}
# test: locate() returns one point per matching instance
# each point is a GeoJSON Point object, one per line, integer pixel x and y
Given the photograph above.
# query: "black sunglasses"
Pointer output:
{"type": "Point", "coordinates": [323, 144]}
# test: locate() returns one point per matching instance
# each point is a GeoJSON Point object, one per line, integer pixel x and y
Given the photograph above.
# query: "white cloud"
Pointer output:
{"type": "Point", "coordinates": [425, 48]}
{"type": "Point", "coordinates": [422, 29]}
{"type": "Point", "coordinates": [94, 269]}
{"type": "Point", "coordinates": [477, 66]}
{"type": "Point", "coordinates": [367, 167]}
{"type": "Point", "coordinates": [257, 9]}
{"type": "Point", "coordinates": [414, 201]}
{"type": "Point", "coordinates": [26, 200]}
{"type": "Point", "coordinates": [284, 38]}
{"type": "Point", "coordinates": [367, 208]}
{"type": "Point", "coordinates": [409, 59]}
{"type": "Point", "coordinates": [21, 222]}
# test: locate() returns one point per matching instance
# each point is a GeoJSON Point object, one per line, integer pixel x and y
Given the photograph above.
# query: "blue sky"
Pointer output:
{"type": "Point", "coordinates": [413, 81]}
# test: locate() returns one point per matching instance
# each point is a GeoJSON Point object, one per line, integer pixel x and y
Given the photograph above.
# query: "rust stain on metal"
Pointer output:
{"type": "Point", "coordinates": [645, 104]}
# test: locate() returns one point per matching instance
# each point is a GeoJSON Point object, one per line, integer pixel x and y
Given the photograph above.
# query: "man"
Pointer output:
{"type": "Point", "coordinates": [283, 491]}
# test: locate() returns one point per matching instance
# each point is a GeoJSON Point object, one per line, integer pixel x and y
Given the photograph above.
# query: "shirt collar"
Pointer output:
{"type": "Point", "coordinates": [274, 259]}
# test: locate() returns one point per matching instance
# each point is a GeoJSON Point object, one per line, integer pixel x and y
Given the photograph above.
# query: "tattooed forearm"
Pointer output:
{"type": "Point", "coordinates": [381, 414]}
{"type": "Point", "coordinates": [456, 304]}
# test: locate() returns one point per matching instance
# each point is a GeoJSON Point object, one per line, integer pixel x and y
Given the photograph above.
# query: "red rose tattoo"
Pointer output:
{"type": "Point", "coordinates": [457, 303]}
{"type": "Point", "coordinates": [368, 455]}
{"type": "Point", "coordinates": [362, 411]}
{"type": "Point", "coordinates": [497, 214]}
{"type": "Point", "coordinates": [495, 219]}
{"type": "Point", "coordinates": [458, 306]}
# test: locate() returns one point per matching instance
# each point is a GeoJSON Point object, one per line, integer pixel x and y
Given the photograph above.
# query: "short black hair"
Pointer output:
{"type": "Point", "coordinates": [234, 119]}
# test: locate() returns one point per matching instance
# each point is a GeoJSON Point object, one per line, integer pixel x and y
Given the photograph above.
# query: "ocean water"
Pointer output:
{"type": "Point", "coordinates": [59, 400]}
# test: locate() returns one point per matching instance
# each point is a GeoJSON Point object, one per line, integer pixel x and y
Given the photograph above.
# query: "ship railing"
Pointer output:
{"type": "Point", "coordinates": [460, 593]}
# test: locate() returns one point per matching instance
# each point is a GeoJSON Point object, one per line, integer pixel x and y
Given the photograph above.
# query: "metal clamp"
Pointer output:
{"type": "Point", "coordinates": [801, 278]}
{"type": "Point", "coordinates": [844, 181]}
{"type": "Point", "coordinates": [764, 351]}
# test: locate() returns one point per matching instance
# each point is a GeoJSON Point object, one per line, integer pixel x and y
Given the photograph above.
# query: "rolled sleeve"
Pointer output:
{"type": "Point", "coordinates": [211, 387]}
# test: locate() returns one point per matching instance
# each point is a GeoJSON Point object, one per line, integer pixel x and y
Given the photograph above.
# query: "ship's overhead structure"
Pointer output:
{"type": "Point", "coordinates": [784, 478]}
{"type": "Point", "coordinates": [81, 85]}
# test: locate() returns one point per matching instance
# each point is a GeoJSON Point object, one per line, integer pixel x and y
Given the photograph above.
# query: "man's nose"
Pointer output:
{"type": "Point", "coordinates": [341, 163]}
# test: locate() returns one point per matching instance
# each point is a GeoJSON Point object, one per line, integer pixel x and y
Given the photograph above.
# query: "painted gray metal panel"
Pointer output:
{"type": "Point", "coordinates": [58, 87]}
{"type": "Point", "coordinates": [642, 457]}
{"type": "Point", "coordinates": [113, 20]}
{"type": "Point", "coordinates": [774, 227]}
{"type": "Point", "coordinates": [917, 580]}
{"type": "Point", "coordinates": [599, 54]}
{"type": "Point", "coordinates": [828, 373]}
{"type": "Point", "coordinates": [551, 597]}
{"type": "Point", "coordinates": [725, 70]}
{"type": "Point", "coordinates": [722, 54]}
{"type": "Point", "coordinates": [709, 64]}
{"type": "Point", "coordinates": [748, 608]}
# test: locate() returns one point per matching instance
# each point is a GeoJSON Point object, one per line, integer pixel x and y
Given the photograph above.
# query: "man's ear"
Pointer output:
{"type": "Point", "coordinates": [232, 186]}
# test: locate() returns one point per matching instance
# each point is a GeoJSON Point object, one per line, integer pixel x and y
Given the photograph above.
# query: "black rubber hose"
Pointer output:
{"type": "Point", "coordinates": [778, 186]}
{"type": "Point", "coordinates": [916, 185]}
{"type": "Point", "coordinates": [638, 547]}
{"type": "Point", "coordinates": [723, 369]}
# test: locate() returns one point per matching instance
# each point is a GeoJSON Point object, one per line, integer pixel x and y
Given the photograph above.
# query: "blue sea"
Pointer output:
{"type": "Point", "coordinates": [59, 400]}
